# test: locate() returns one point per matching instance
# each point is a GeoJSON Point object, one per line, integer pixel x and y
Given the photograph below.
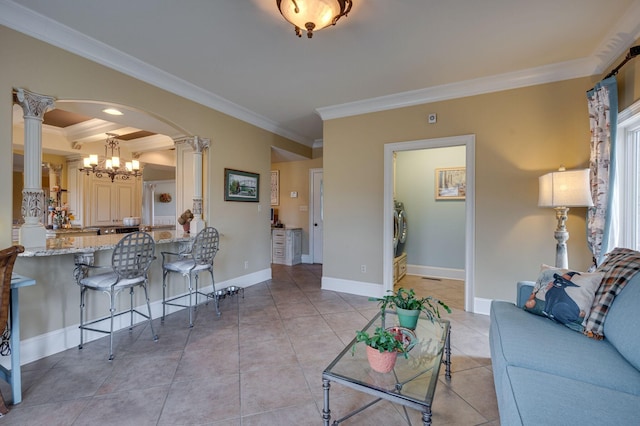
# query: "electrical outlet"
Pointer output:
{"type": "Point", "coordinates": [363, 268]}
{"type": "Point", "coordinates": [246, 264]}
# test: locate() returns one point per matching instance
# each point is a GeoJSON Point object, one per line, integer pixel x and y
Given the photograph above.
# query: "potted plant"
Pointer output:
{"type": "Point", "coordinates": [408, 306]}
{"type": "Point", "coordinates": [383, 347]}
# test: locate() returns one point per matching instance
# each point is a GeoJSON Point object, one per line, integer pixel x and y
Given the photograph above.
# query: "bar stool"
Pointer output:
{"type": "Point", "coordinates": [130, 263]}
{"type": "Point", "coordinates": [198, 259]}
{"type": "Point", "coordinates": [8, 258]}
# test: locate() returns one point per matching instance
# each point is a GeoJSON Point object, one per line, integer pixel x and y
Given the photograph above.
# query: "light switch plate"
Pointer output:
{"type": "Point", "coordinates": [294, 194]}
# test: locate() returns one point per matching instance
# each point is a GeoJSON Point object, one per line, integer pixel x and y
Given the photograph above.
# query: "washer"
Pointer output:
{"type": "Point", "coordinates": [400, 228]}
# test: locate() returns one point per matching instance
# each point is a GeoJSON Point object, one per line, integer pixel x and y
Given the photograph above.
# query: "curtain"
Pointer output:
{"type": "Point", "coordinates": [603, 117]}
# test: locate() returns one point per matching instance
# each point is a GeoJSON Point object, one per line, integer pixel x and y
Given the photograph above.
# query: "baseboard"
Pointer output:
{"type": "Point", "coordinates": [56, 341]}
{"type": "Point", "coordinates": [481, 306]}
{"type": "Point", "coordinates": [307, 259]}
{"type": "Point", "coordinates": [434, 271]}
{"type": "Point", "coordinates": [359, 288]}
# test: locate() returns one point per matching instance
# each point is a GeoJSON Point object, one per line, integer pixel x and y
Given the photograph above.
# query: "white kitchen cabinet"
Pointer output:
{"type": "Point", "coordinates": [112, 201]}
{"type": "Point", "coordinates": [286, 246]}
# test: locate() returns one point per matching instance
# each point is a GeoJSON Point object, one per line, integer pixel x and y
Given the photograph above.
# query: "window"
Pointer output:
{"type": "Point", "coordinates": [625, 208]}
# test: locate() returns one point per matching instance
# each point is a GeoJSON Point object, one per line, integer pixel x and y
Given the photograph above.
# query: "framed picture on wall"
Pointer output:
{"type": "Point", "coordinates": [241, 186]}
{"type": "Point", "coordinates": [451, 183]}
{"type": "Point", "coordinates": [275, 187]}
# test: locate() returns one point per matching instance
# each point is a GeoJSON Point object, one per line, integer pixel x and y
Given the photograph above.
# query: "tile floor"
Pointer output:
{"type": "Point", "coordinates": [260, 363]}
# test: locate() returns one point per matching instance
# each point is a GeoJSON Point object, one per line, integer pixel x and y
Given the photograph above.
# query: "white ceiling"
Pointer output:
{"type": "Point", "coordinates": [241, 57]}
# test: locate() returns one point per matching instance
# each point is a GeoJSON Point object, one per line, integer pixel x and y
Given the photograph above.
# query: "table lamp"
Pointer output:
{"type": "Point", "coordinates": [561, 190]}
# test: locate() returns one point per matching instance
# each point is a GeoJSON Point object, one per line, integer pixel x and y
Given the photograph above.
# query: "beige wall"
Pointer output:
{"type": "Point", "coordinates": [44, 69]}
{"type": "Point", "coordinates": [294, 177]}
{"type": "Point", "coordinates": [520, 135]}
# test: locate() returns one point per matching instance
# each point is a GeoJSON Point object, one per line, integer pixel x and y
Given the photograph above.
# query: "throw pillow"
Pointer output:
{"type": "Point", "coordinates": [564, 296]}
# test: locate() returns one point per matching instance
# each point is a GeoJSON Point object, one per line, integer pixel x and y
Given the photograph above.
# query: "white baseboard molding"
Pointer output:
{"type": "Point", "coordinates": [434, 271]}
{"type": "Point", "coordinates": [481, 306]}
{"type": "Point", "coordinates": [307, 259]}
{"type": "Point", "coordinates": [56, 341]}
{"type": "Point", "coordinates": [359, 288]}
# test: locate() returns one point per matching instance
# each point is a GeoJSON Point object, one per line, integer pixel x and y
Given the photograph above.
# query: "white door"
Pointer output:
{"type": "Point", "coordinates": [316, 216]}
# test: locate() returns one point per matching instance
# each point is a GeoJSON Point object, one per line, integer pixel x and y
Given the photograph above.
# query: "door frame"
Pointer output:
{"type": "Point", "coordinates": [312, 172]}
{"type": "Point", "coordinates": [468, 141]}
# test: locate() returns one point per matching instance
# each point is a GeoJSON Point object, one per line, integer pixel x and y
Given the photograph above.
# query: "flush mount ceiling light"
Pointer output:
{"type": "Point", "coordinates": [313, 14]}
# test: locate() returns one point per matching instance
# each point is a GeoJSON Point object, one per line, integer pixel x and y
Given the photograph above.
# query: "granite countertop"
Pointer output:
{"type": "Point", "coordinates": [92, 243]}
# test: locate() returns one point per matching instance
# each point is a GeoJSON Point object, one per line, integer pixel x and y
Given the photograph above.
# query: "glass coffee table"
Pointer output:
{"type": "Point", "coordinates": [412, 382]}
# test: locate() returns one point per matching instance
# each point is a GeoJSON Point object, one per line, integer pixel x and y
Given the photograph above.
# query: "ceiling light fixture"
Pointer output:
{"type": "Point", "coordinates": [111, 166]}
{"type": "Point", "coordinates": [313, 14]}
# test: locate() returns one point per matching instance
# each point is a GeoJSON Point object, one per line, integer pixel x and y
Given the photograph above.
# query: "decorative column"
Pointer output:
{"type": "Point", "coordinates": [198, 145]}
{"type": "Point", "coordinates": [32, 232]}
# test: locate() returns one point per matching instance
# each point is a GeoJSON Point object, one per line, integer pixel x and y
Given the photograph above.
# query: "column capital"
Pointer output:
{"type": "Point", "coordinates": [33, 105]}
{"type": "Point", "coordinates": [197, 143]}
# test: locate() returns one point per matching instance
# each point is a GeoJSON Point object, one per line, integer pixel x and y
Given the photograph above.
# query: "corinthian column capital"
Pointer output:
{"type": "Point", "coordinates": [196, 143]}
{"type": "Point", "coordinates": [33, 105]}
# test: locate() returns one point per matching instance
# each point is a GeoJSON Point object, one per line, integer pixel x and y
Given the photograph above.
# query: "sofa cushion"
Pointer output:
{"type": "Point", "coordinates": [621, 326]}
{"type": "Point", "coordinates": [546, 399]}
{"type": "Point", "coordinates": [563, 295]}
{"type": "Point", "coordinates": [533, 342]}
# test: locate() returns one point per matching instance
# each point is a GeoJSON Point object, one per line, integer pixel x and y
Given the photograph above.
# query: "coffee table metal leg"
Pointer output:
{"type": "Point", "coordinates": [447, 355]}
{"type": "Point", "coordinates": [326, 412]}
{"type": "Point", "coordinates": [426, 417]}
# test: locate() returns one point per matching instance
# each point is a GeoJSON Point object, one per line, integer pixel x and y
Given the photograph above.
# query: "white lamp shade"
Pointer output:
{"type": "Point", "coordinates": [319, 12]}
{"type": "Point", "coordinates": [93, 160]}
{"type": "Point", "coordinates": [568, 188]}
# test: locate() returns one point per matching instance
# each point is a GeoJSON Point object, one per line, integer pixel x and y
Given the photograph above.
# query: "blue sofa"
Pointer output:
{"type": "Point", "coordinates": [547, 374]}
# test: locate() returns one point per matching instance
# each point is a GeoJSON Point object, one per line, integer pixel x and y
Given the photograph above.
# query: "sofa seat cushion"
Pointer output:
{"type": "Point", "coordinates": [547, 399]}
{"type": "Point", "coordinates": [534, 342]}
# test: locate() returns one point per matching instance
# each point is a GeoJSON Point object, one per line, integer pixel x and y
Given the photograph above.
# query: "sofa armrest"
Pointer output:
{"type": "Point", "coordinates": [524, 291]}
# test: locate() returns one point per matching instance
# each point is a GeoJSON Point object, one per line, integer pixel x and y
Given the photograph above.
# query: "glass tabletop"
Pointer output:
{"type": "Point", "coordinates": [413, 379]}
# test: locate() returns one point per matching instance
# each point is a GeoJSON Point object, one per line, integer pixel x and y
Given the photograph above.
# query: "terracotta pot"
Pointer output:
{"type": "Point", "coordinates": [382, 362]}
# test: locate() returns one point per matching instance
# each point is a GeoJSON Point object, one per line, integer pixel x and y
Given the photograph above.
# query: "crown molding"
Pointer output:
{"type": "Point", "coordinates": [26, 21]}
{"type": "Point", "coordinates": [478, 86]}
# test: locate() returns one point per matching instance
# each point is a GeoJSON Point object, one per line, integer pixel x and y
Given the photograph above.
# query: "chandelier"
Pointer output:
{"type": "Point", "coordinates": [111, 166]}
{"type": "Point", "coordinates": [313, 14]}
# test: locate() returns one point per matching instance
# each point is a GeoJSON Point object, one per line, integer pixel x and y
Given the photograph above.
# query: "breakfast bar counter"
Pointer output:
{"type": "Point", "coordinates": [92, 243]}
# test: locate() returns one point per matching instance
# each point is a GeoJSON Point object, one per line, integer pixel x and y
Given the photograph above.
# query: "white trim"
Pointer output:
{"type": "Point", "coordinates": [482, 306]}
{"type": "Point", "coordinates": [55, 341]}
{"type": "Point", "coordinates": [387, 260]}
{"type": "Point", "coordinates": [307, 258]}
{"type": "Point", "coordinates": [435, 271]}
{"type": "Point", "coordinates": [513, 80]}
{"type": "Point", "coordinates": [312, 207]}
{"type": "Point", "coordinates": [35, 25]}
{"type": "Point", "coordinates": [359, 288]}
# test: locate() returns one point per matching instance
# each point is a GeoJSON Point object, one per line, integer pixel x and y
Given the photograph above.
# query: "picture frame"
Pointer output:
{"type": "Point", "coordinates": [275, 187]}
{"type": "Point", "coordinates": [451, 183]}
{"type": "Point", "coordinates": [241, 186]}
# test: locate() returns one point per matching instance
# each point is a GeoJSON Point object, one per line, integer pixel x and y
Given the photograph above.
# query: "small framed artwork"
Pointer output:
{"type": "Point", "coordinates": [241, 186]}
{"type": "Point", "coordinates": [275, 187]}
{"type": "Point", "coordinates": [451, 183]}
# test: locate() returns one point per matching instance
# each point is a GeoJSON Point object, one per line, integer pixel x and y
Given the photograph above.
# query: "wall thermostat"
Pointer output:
{"type": "Point", "coordinates": [432, 118]}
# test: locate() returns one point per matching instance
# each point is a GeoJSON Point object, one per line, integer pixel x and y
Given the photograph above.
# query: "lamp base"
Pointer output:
{"type": "Point", "coordinates": [561, 235]}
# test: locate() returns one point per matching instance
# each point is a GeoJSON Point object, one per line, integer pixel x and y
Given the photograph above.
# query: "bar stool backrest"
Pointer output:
{"type": "Point", "coordinates": [133, 255]}
{"type": "Point", "coordinates": [8, 258]}
{"type": "Point", "coordinates": [205, 246]}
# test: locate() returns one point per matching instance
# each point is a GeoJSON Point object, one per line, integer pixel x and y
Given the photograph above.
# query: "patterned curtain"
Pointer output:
{"type": "Point", "coordinates": [603, 118]}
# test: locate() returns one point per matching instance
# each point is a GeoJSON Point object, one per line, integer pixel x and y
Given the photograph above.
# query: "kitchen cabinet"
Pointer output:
{"type": "Point", "coordinates": [286, 246]}
{"type": "Point", "coordinates": [112, 201]}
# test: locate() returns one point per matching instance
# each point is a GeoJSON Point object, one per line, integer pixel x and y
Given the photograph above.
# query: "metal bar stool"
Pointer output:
{"type": "Point", "coordinates": [198, 259]}
{"type": "Point", "coordinates": [129, 268]}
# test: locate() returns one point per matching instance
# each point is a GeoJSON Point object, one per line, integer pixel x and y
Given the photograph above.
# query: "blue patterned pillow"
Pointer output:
{"type": "Point", "coordinates": [563, 295]}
